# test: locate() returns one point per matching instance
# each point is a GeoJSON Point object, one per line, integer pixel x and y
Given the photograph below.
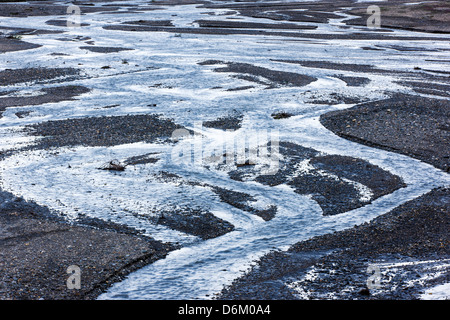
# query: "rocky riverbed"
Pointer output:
{"type": "Point", "coordinates": [220, 149]}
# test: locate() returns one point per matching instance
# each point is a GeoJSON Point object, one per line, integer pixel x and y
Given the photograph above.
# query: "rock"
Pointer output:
{"type": "Point", "coordinates": [364, 292]}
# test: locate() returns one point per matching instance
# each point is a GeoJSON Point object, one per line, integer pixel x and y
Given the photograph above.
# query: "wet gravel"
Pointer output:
{"type": "Point", "coordinates": [36, 253]}
{"type": "Point", "coordinates": [37, 246]}
{"type": "Point", "coordinates": [408, 124]}
{"type": "Point", "coordinates": [334, 266]}
{"type": "Point", "coordinates": [142, 159]}
{"type": "Point", "coordinates": [229, 122]}
{"type": "Point", "coordinates": [275, 78]}
{"type": "Point", "coordinates": [12, 44]}
{"type": "Point", "coordinates": [103, 49]}
{"type": "Point", "coordinates": [35, 75]}
{"type": "Point", "coordinates": [251, 25]}
{"type": "Point", "coordinates": [194, 221]}
{"type": "Point", "coordinates": [102, 131]}
{"type": "Point", "coordinates": [46, 95]}
{"type": "Point", "coordinates": [243, 201]}
{"type": "Point", "coordinates": [326, 178]}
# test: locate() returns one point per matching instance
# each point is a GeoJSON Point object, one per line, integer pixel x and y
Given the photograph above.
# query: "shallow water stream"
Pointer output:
{"type": "Point", "coordinates": [164, 74]}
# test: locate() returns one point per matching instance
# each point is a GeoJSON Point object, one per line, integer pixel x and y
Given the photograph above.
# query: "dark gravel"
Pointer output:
{"type": "Point", "coordinates": [45, 8]}
{"type": "Point", "coordinates": [243, 202]}
{"type": "Point", "coordinates": [290, 34]}
{"type": "Point", "coordinates": [54, 94]}
{"type": "Point", "coordinates": [275, 78]}
{"type": "Point", "coordinates": [251, 25]}
{"type": "Point", "coordinates": [102, 131]}
{"type": "Point", "coordinates": [37, 247]}
{"type": "Point", "coordinates": [104, 49]}
{"type": "Point", "coordinates": [414, 231]}
{"type": "Point", "coordinates": [12, 44]}
{"type": "Point", "coordinates": [194, 221]}
{"type": "Point", "coordinates": [355, 81]}
{"type": "Point", "coordinates": [333, 194]}
{"type": "Point", "coordinates": [424, 16]}
{"type": "Point", "coordinates": [394, 14]}
{"type": "Point", "coordinates": [35, 75]}
{"type": "Point", "coordinates": [430, 88]}
{"type": "Point", "coordinates": [229, 122]}
{"type": "Point", "coordinates": [407, 124]}
{"type": "Point", "coordinates": [377, 179]}
{"type": "Point", "coordinates": [281, 115]}
{"type": "Point", "coordinates": [159, 23]}
{"type": "Point", "coordinates": [337, 66]}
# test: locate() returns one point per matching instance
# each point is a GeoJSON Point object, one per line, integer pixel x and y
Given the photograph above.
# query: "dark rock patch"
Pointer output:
{"type": "Point", "coordinates": [35, 75]}
{"type": "Point", "coordinates": [281, 115]}
{"type": "Point", "coordinates": [411, 125]}
{"type": "Point", "coordinates": [154, 23]}
{"type": "Point", "coordinates": [328, 179]}
{"type": "Point", "coordinates": [230, 122]}
{"type": "Point", "coordinates": [240, 88]}
{"type": "Point", "coordinates": [243, 201]}
{"type": "Point", "coordinates": [142, 159]}
{"type": "Point", "coordinates": [194, 221]}
{"type": "Point", "coordinates": [354, 81]}
{"type": "Point", "coordinates": [276, 78]}
{"type": "Point", "coordinates": [54, 94]}
{"type": "Point", "coordinates": [102, 131]}
{"type": "Point", "coordinates": [104, 49]}
{"type": "Point", "coordinates": [22, 114]}
{"type": "Point", "coordinates": [63, 23]}
{"type": "Point", "coordinates": [251, 25]}
{"type": "Point", "coordinates": [334, 65]}
{"type": "Point", "coordinates": [414, 231]}
{"type": "Point", "coordinates": [13, 44]}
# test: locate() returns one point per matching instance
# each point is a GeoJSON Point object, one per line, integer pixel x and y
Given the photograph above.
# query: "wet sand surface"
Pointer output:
{"type": "Point", "coordinates": [46, 103]}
